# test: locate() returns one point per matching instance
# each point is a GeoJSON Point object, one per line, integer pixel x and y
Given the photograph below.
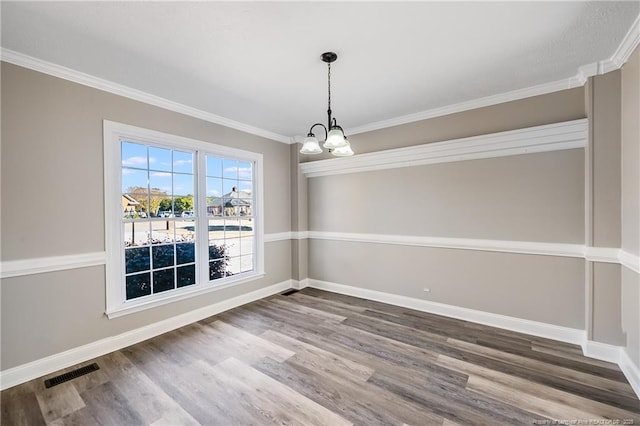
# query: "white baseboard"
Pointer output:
{"type": "Point", "coordinates": [25, 372]}
{"type": "Point", "coordinates": [617, 355]}
{"type": "Point", "coordinates": [299, 285]}
{"type": "Point", "coordinates": [549, 331]}
{"type": "Point", "coordinates": [601, 351]}
{"type": "Point", "coordinates": [630, 370]}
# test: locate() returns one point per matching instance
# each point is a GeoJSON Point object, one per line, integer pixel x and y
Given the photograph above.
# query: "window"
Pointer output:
{"type": "Point", "coordinates": [183, 217]}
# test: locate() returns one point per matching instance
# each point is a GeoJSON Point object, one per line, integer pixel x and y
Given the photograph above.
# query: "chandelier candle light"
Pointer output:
{"type": "Point", "coordinates": [334, 139]}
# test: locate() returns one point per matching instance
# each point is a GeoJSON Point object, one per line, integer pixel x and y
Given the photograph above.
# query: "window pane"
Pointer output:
{"type": "Point", "coordinates": [214, 187]}
{"type": "Point", "coordinates": [186, 275]}
{"type": "Point", "coordinates": [245, 189]}
{"type": "Point", "coordinates": [245, 171]}
{"type": "Point", "coordinates": [217, 269]}
{"type": "Point", "coordinates": [246, 245]}
{"type": "Point", "coordinates": [230, 169]}
{"type": "Point", "coordinates": [216, 228]}
{"type": "Point", "coordinates": [136, 234]}
{"type": "Point", "coordinates": [163, 280]}
{"type": "Point", "coordinates": [232, 228]}
{"type": "Point", "coordinates": [246, 227]}
{"type": "Point", "coordinates": [214, 167]}
{"type": "Point", "coordinates": [182, 185]}
{"type": "Point", "coordinates": [183, 199]}
{"type": "Point", "coordinates": [217, 249]}
{"type": "Point", "coordinates": [232, 246]}
{"type": "Point", "coordinates": [246, 263]}
{"type": "Point", "coordinates": [137, 259]}
{"type": "Point", "coordinates": [163, 256]}
{"type": "Point", "coordinates": [185, 253]}
{"type": "Point", "coordinates": [134, 155]}
{"type": "Point", "coordinates": [134, 193]}
{"type": "Point", "coordinates": [184, 206]}
{"type": "Point", "coordinates": [138, 285]}
{"type": "Point", "coordinates": [214, 206]}
{"type": "Point", "coordinates": [229, 209]}
{"type": "Point", "coordinates": [163, 231]}
{"type": "Point", "coordinates": [160, 184]}
{"type": "Point", "coordinates": [234, 266]}
{"type": "Point", "coordinates": [244, 208]}
{"type": "Point", "coordinates": [230, 188]}
{"type": "Point", "coordinates": [182, 162]}
{"type": "Point", "coordinates": [161, 203]}
{"type": "Point", "coordinates": [185, 229]}
{"type": "Point", "coordinates": [159, 159]}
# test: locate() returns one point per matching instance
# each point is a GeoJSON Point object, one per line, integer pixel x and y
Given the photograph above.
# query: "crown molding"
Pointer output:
{"type": "Point", "coordinates": [550, 137]}
{"type": "Point", "coordinates": [628, 45]}
{"type": "Point", "coordinates": [69, 74]}
{"type": "Point", "coordinates": [514, 95]}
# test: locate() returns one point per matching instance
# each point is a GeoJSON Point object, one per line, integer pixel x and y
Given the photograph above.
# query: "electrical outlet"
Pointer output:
{"type": "Point", "coordinates": [427, 290]}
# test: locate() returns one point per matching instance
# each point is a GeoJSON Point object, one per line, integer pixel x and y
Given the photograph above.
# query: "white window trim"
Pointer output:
{"type": "Point", "coordinates": [113, 134]}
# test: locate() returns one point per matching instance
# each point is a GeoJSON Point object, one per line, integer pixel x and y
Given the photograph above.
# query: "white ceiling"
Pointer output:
{"type": "Point", "coordinates": [259, 63]}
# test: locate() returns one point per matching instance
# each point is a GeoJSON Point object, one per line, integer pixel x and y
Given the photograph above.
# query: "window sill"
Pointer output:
{"type": "Point", "coordinates": [130, 308]}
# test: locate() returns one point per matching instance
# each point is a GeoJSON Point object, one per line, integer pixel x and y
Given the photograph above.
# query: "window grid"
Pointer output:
{"type": "Point", "coordinates": [159, 201]}
{"type": "Point", "coordinates": [230, 214]}
{"type": "Point", "coordinates": [157, 257]}
{"type": "Point", "coordinates": [139, 216]}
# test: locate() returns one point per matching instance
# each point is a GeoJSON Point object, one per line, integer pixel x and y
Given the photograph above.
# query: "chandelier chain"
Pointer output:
{"type": "Point", "coordinates": [329, 85]}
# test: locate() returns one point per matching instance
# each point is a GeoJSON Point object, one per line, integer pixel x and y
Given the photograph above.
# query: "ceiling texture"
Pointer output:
{"type": "Point", "coordinates": [258, 63]}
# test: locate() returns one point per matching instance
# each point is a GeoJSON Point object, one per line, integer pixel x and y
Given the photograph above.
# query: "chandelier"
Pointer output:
{"type": "Point", "coordinates": [334, 139]}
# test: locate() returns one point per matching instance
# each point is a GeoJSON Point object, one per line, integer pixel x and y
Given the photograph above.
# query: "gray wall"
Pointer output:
{"type": "Point", "coordinates": [631, 202]}
{"type": "Point", "coordinates": [533, 197]}
{"type": "Point", "coordinates": [547, 289]}
{"type": "Point", "coordinates": [52, 204]}
{"type": "Point", "coordinates": [602, 209]}
{"type": "Point", "coordinates": [299, 218]}
{"type": "Point", "coordinates": [605, 115]}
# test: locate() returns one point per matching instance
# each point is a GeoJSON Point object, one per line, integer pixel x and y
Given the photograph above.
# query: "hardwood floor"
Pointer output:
{"type": "Point", "coordinates": [320, 358]}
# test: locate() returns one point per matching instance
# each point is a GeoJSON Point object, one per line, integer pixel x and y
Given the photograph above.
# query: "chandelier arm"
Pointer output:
{"type": "Point", "coordinates": [319, 124]}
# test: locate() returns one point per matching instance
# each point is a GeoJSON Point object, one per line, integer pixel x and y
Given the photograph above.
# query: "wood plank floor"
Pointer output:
{"type": "Point", "coordinates": [320, 358]}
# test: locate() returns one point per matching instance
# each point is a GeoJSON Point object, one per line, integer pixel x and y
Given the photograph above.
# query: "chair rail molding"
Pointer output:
{"type": "Point", "coordinates": [45, 264]}
{"type": "Point", "coordinates": [40, 265]}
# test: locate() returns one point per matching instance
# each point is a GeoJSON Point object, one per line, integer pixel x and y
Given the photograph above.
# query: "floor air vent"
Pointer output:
{"type": "Point", "coordinates": [54, 381]}
{"type": "Point", "coordinates": [289, 292]}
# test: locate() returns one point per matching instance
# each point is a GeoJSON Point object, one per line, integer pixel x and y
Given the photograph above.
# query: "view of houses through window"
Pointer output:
{"type": "Point", "coordinates": [161, 228]}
